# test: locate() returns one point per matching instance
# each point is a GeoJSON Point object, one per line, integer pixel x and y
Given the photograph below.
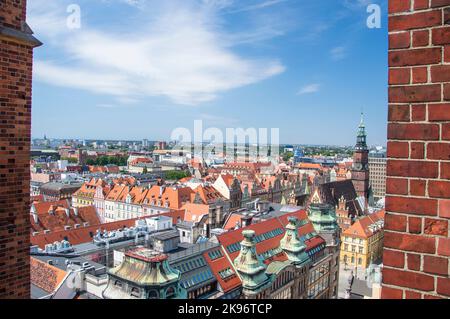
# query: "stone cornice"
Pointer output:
{"type": "Point", "coordinates": [24, 36]}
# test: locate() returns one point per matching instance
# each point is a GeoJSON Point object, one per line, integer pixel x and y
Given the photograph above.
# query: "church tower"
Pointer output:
{"type": "Point", "coordinates": [360, 169]}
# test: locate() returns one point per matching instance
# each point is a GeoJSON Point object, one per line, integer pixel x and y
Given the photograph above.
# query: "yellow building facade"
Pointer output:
{"type": "Point", "coordinates": [362, 243]}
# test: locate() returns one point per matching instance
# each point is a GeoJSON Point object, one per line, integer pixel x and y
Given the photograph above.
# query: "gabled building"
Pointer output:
{"type": "Point", "coordinates": [84, 196]}
{"type": "Point", "coordinates": [362, 242]}
{"type": "Point", "coordinates": [230, 188]}
{"type": "Point", "coordinates": [48, 217]}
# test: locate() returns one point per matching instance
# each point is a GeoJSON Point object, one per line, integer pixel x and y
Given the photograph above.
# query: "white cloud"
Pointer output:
{"type": "Point", "coordinates": [308, 89]}
{"type": "Point", "coordinates": [179, 53]}
{"type": "Point", "coordinates": [257, 6]}
{"type": "Point", "coordinates": [338, 53]}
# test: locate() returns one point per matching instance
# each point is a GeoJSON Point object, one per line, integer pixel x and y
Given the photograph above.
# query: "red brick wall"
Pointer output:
{"type": "Point", "coordinates": [15, 127]}
{"type": "Point", "coordinates": [417, 243]}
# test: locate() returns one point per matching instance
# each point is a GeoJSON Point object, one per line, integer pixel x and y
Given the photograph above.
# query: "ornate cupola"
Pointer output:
{"type": "Point", "coordinates": [292, 245]}
{"type": "Point", "coordinates": [250, 267]}
{"type": "Point", "coordinates": [144, 274]}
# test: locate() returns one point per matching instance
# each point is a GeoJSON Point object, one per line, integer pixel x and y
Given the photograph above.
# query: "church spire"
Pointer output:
{"type": "Point", "coordinates": [362, 136]}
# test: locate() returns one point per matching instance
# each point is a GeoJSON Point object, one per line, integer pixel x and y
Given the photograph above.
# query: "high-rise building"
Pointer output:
{"type": "Point", "coordinates": [16, 50]}
{"type": "Point", "coordinates": [377, 173]}
{"type": "Point", "coordinates": [360, 169]}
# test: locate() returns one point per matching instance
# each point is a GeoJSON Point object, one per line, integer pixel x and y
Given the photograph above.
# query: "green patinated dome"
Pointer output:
{"type": "Point", "coordinates": [323, 217]}
{"type": "Point", "coordinates": [292, 245]}
{"type": "Point", "coordinates": [249, 265]}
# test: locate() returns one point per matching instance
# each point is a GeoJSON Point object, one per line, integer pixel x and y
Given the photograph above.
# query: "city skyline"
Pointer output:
{"type": "Point", "coordinates": [278, 73]}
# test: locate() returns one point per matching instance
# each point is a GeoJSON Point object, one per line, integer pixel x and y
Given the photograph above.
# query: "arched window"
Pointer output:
{"type": "Point", "coordinates": [152, 294]}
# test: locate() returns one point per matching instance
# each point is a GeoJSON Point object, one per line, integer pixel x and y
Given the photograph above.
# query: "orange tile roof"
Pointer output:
{"type": "Point", "coordinates": [195, 212]}
{"type": "Point", "coordinates": [141, 160]}
{"type": "Point", "coordinates": [45, 276]}
{"type": "Point", "coordinates": [88, 188]}
{"type": "Point", "coordinates": [85, 234]}
{"type": "Point", "coordinates": [235, 236]}
{"type": "Point", "coordinates": [55, 219]}
{"type": "Point", "coordinates": [208, 194]}
{"type": "Point", "coordinates": [176, 197]}
{"type": "Point", "coordinates": [232, 221]}
{"type": "Point", "coordinates": [310, 166]}
{"type": "Point", "coordinates": [220, 264]}
{"type": "Point", "coordinates": [115, 192]}
{"type": "Point", "coordinates": [227, 178]}
{"type": "Point", "coordinates": [360, 227]}
{"type": "Point", "coordinates": [137, 194]}
{"type": "Point", "coordinates": [43, 207]}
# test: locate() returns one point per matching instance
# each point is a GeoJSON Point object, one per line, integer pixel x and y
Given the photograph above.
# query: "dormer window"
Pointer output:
{"type": "Point", "coordinates": [135, 292]}
{"type": "Point", "coordinates": [118, 284]}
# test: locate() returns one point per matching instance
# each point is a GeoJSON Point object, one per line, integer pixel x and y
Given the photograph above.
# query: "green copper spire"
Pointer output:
{"type": "Point", "coordinates": [362, 136]}
{"type": "Point", "coordinates": [248, 264]}
{"type": "Point", "coordinates": [292, 245]}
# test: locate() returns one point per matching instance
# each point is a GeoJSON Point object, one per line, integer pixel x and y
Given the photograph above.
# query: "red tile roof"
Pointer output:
{"type": "Point", "coordinates": [85, 234]}
{"type": "Point", "coordinates": [45, 276]}
{"type": "Point", "coordinates": [235, 236]}
{"type": "Point", "coordinates": [360, 228]}
{"type": "Point", "coordinates": [43, 207]}
{"type": "Point", "coordinates": [220, 264]}
{"type": "Point", "coordinates": [176, 197]}
{"type": "Point", "coordinates": [208, 194]}
{"type": "Point", "coordinates": [55, 218]}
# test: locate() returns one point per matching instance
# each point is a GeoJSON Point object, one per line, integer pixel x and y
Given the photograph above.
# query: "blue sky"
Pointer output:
{"type": "Point", "coordinates": [139, 69]}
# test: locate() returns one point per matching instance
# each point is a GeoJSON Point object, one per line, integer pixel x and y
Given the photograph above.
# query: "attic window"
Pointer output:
{"type": "Point", "coordinates": [118, 284]}
{"type": "Point", "coordinates": [135, 292]}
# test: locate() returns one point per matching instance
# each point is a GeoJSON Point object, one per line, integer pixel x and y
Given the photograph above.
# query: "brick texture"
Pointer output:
{"type": "Point", "coordinates": [416, 242]}
{"type": "Point", "coordinates": [15, 129]}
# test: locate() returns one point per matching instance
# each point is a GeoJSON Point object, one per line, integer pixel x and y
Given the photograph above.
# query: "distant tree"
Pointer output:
{"type": "Point", "coordinates": [176, 175]}
{"type": "Point", "coordinates": [287, 156]}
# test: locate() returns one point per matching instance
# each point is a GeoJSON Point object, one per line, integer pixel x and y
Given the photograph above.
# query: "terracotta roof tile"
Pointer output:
{"type": "Point", "coordinates": [45, 276]}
